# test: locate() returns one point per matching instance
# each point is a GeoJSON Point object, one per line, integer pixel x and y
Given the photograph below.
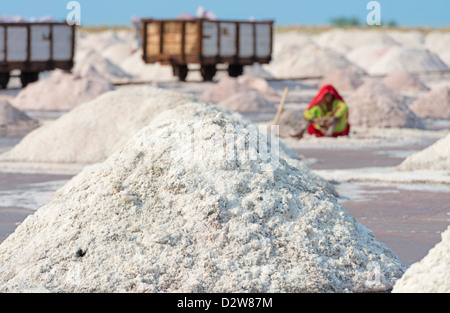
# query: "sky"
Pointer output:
{"type": "Point", "coordinates": [406, 13]}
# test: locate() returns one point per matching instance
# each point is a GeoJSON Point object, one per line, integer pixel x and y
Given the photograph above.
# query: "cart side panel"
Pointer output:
{"type": "Point", "coordinates": [63, 42]}
{"type": "Point", "coordinates": [172, 38]}
{"type": "Point", "coordinates": [2, 43]}
{"type": "Point", "coordinates": [40, 43]}
{"type": "Point", "coordinates": [246, 39]}
{"type": "Point", "coordinates": [191, 33]}
{"type": "Point", "coordinates": [153, 39]}
{"type": "Point", "coordinates": [17, 43]}
{"type": "Point", "coordinates": [210, 42]}
{"type": "Point", "coordinates": [228, 33]}
{"type": "Point", "coordinates": [263, 40]}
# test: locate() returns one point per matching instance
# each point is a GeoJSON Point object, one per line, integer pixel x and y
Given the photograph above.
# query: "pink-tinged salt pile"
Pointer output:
{"type": "Point", "coordinates": [431, 274]}
{"type": "Point", "coordinates": [438, 42]}
{"type": "Point", "coordinates": [435, 104]}
{"type": "Point", "coordinates": [248, 102]}
{"type": "Point", "coordinates": [435, 157]}
{"type": "Point", "coordinates": [342, 80]}
{"type": "Point", "coordinates": [260, 84]}
{"type": "Point", "coordinates": [224, 88]}
{"type": "Point", "coordinates": [367, 55]}
{"type": "Point", "coordinates": [415, 60]}
{"type": "Point", "coordinates": [375, 105]}
{"type": "Point", "coordinates": [405, 81]}
{"type": "Point", "coordinates": [157, 217]}
{"type": "Point", "coordinates": [62, 91]}
{"type": "Point", "coordinates": [13, 122]}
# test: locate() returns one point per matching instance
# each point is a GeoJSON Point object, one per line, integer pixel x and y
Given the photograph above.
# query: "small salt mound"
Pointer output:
{"type": "Point", "coordinates": [102, 65]}
{"type": "Point", "coordinates": [99, 41]}
{"type": "Point", "coordinates": [342, 80]}
{"type": "Point", "coordinates": [415, 60]}
{"type": "Point", "coordinates": [431, 274]}
{"type": "Point", "coordinates": [367, 55]}
{"type": "Point", "coordinates": [404, 81]}
{"type": "Point", "coordinates": [14, 122]}
{"type": "Point", "coordinates": [62, 91]}
{"type": "Point", "coordinates": [249, 102]}
{"type": "Point", "coordinates": [375, 105]}
{"type": "Point", "coordinates": [291, 123]}
{"type": "Point", "coordinates": [435, 104]}
{"type": "Point", "coordinates": [225, 87]}
{"type": "Point", "coordinates": [435, 157]}
{"type": "Point", "coordinates": [308, 61]}
{"type": "Point", "coordinates": [160, 217]}
{"type": "Point", "coordinates": [94, 130]}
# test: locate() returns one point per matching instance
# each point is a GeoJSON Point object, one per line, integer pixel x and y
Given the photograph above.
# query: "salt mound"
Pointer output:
{"type": "Point", "coordinates": [435, 157]}
{"type": "Point", "coordinates": [414, 60]}
{"type": "Point", "coordinates": [308, 61]}
{"type": "Point", "coordinates": [171, 213]}
{"type": "Point", "coordinates": [249, 102]}
{"type": "Point", "coordinates": [261, 85]}
{"type": "Point", "coordinates": [94, 130]}
{"type": "Point", "coordinates": [435, 104]}
{"type": "Point", "coordinates": [62, 91]}
{"type": "Point", "coordinates": [342, 80]}
{"type": "Point", "coordinates": [102, 65]}
{"type": "Point", "coordinates": [375, 105]}
{"type": "Point", "coordinates": [404, 81]}
{"type": "Point", "coordinates": [135, 65]}
{"type": "Point", "coordinates": [438, 42]}
{"type": "Point", "coordinates": [14, 122]}
{"type": "Point", "coordinates": [367, 55]}
{"type": "Point", "coordinates": [291, 123]}
{"type": "Point", "coordinates": [345, 41]}
{"type": "Point", "coordinates": [431, 274]}
{"type": "Point", "coordinates": [408, 38]}
{"type": "Point", "coordinates": [225, 88]}
{"type": "Point", "coordinates": [99, 41]}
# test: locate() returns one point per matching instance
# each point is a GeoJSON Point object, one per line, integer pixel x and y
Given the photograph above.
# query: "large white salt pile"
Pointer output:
{"type": "Point", "coordinates": [345, 41]}
{"type": "Point", "coordinates": [102, 65]}
{"type": "Point", "coordinates": [411, 38]}
{"type": "Point", "coordinates": [431, 274]}
{"type": "Point", "coordinates": [435, 157]}
{"type": "Point", "coordinates": [94, 130]}
{"type": "Point", "coordinates": [435, 104]}
{"type": "Point", "coordinates": [342, 80]}
{"type": "Point", "coordinates": [375, 105]}
{"type": "Point", "coordinates": [405, 81]}
{"type": "Point", "coordinates": [99, 41]}
{"type": "Point", "coordinates": [14, 122]}
{"type": "Point", "coordinates": [62, 91]}
{"type": "Point", "coordinates": [415, 60]}
{"type": "Point", "coordinates": [308, 61]}
{"type": "Point", "coordinates": [182, 209]}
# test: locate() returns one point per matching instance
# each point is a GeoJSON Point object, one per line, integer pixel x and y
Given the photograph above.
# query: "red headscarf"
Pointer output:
{"type": "Point", "coordinates": [322, 92]}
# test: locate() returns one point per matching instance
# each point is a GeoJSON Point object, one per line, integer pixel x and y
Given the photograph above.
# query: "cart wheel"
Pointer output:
{"type": "Point", "coordinates": [4, 79]}
{"type": "Point", "coordinates": [235, 70]}
{"type": "Point", "coordinates": [208, 72]}
{"type": "Point", "coordinates": [181, 71]}
{"type": "Point", "coordinates": [28, 78]}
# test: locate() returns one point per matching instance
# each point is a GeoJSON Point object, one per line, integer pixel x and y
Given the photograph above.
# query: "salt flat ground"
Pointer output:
{"type": "Point", "coordinates": [407, 214]}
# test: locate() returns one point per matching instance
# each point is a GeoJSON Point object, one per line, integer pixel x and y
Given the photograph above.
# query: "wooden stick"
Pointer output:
{"type": "Point", "coordinates": [281, 106]}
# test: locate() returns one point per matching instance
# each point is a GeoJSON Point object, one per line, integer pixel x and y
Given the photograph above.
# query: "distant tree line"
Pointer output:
{"type": "Point", "coordinates": [354, 21]}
